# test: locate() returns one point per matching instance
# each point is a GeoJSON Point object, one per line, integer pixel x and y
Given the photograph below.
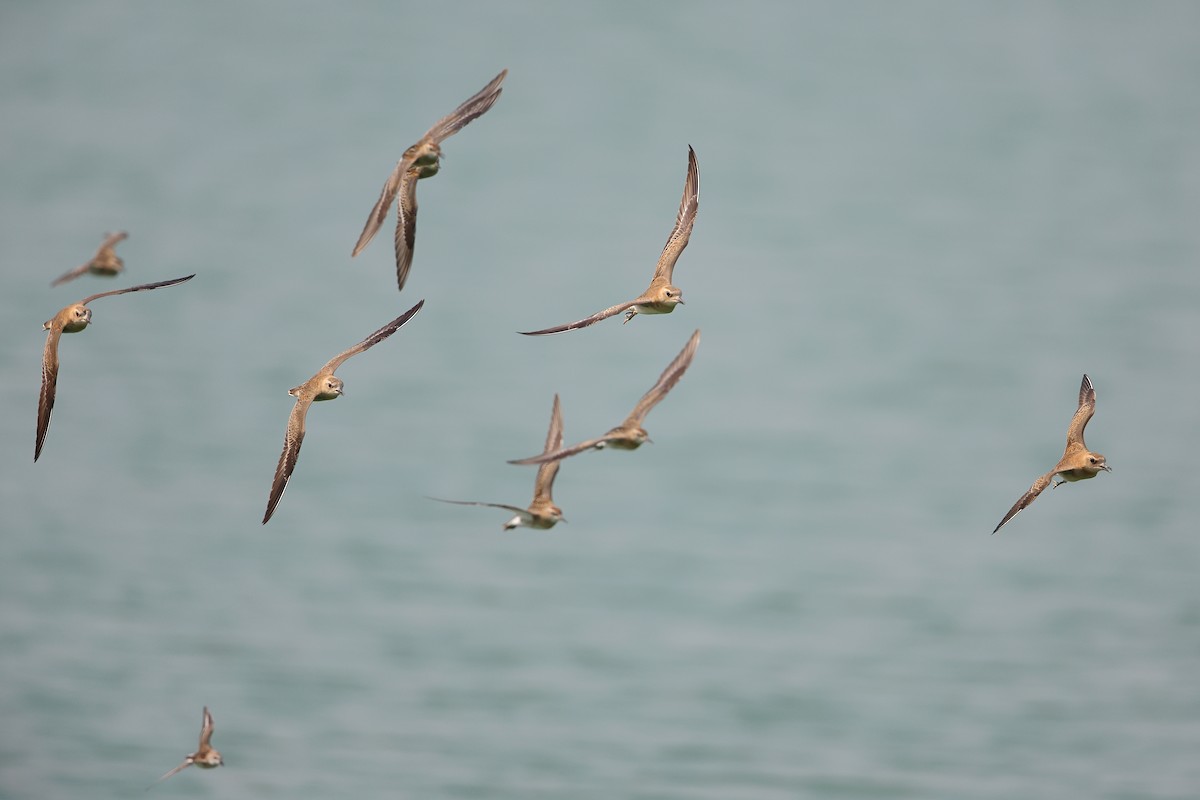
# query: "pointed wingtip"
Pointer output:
{"type": "Point", "coordinates": [1086, 390]}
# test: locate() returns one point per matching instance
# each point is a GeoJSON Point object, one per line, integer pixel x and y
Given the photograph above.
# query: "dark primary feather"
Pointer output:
{"type": "Point", "coordinates": [515, 509]}
{"type": "Point", "coordinates": [684, 221]}
{"type": "Point", "coordinates": [406, 228]}
{"type": "Point", "coordinates": [141, 287]}
{"type": "Point", "coordinates": [292, 439]}
{"type": "Point", "coordinates": [49, 387]}
{"type": "Point", "coordinates": [374, 339]}
{"type": "Point", "coordinates": [611, 311]}
{"type": "Point", "coordinates": [1032, 494]}
{"type": "Point", "coordinates": [1083, 414]}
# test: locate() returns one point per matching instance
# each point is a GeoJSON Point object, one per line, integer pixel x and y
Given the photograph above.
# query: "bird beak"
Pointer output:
{"type": "Point", "coordinates": [681, 302]}
{"type": "Point", "coordinates": [1107, 468]}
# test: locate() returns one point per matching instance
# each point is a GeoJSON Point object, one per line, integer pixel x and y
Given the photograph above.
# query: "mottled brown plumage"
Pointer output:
{"type": "Point", "coordinates": [105, 263]}
{"type": "Point", "coordinates": [542, 513]}
{"type": "Point", "coordinates": [661, 296]}
{"type": "Point", "coordinates": [422, 160]}
{"type": "Point", "coordinates": [1077, 464]}
{"type": "Point", "coordinates": [71, 319]}
{"type": "Point", "coordinates": [322, 386]}
{"type": "Point", "coordinates": [205, 757]}
{"type": "Point", "coordinates": [630, 434]}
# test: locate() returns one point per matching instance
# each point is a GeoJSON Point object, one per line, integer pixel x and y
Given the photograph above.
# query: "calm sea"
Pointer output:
{"type": "Point", "coordinates": [920, 224]}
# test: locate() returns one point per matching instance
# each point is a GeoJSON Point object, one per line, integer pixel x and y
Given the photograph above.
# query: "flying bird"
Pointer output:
{"type": "Point", "coordinates": [422, 160]}
{"type": "Point", "coordinates": [106, 262]}
{"type": "Point", "coordinates": [322, 386]}
{"type": "Point", "coordinates": [1077, 464]}
{"type": "Point", "coordinates": [72, 319]}
{"type": "Point", "coordinates": [542, 513]}
{"type": "Point", "coordinates": [630, 434]}
{"type": "Point", "coordinates": [662, 295]}
{"type": "Point", "coordinates": [205, 757]}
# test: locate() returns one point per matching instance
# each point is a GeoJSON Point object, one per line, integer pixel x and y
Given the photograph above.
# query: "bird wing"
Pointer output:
{"type": "Point", "coordinates": [515, 509]}
{"type": "Point", "coordinates": [669, 377]}
{"type": "Point", "coordinates": [187, 762]}
{"type": "Point", "coordinates": [111, 240]}
{"type": "Point", "coordinates": [474, 106]}
{"type": "Point", "coordinates": [543, 484]}
{"type": "Point", "coordinates": [586, 321]}
{"type": "Point", "coordinates": [406, 226]}
{"type": "Point", "coordinates": [49, 385]}
{"type": "Point", "coordinates": [292, 439]}
{"type": "Point", "coordinates": [206, 731]}
{"type": "Point", "coordinates": [372, 340]}
{"type": "Point", "coordinates": [1037, 488]}
{"type": "Point", "coordinates": [141, 287]}
{"type": "Point", "coordinates": [71, 275]}
{"type": "Point", "coordinates": [380, 212]}
{"type": "Point", "coordinates": [453, 122]}
{"type": "Point", "coordinates": [1087, 407]}
{"type": "Point", "coordinates": [565, 452]}
{"type": "Point", "coordinates": [683, 222]}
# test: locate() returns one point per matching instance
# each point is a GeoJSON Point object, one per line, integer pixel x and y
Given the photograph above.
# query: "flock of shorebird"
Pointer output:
{"type": "Point", "coordinates": [420, 161]}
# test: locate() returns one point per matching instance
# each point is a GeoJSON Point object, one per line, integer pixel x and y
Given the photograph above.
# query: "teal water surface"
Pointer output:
{"type": "Point", "coordinates": [919, 225]}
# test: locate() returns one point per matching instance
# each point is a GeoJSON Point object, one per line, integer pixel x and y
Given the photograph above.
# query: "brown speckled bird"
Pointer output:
{"type": "Point", "coordinates": [661, 296]}
{"type": "Point", "coordinates": [422, 160]}
{"type": "Point", "coordinates": [1077, 464]}
{"type": "Point", "coordinates": [542, 513]}
{"type": "Point", "coordinates": [205, 757]}
{"type": "Point", "coordinates": [630, 434]}
{"type": "Point", "coordinates": [105, 263]}
{"type": "Point", "coordinates": [71, 319]}
{"type": "Point", "coordinates": [322, 386]}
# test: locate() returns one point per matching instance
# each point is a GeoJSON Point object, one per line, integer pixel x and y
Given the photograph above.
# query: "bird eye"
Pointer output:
{"type": "Point", "coordinates": [1092, 460]}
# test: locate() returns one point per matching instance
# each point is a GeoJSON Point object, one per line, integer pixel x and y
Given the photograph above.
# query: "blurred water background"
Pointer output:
{"type": "Point", "coordinates": [920, 224]}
